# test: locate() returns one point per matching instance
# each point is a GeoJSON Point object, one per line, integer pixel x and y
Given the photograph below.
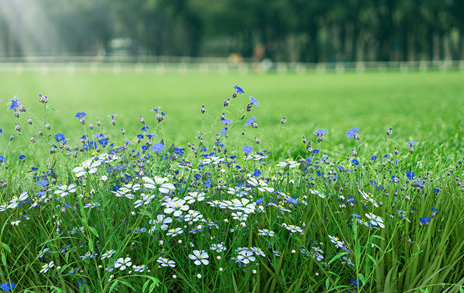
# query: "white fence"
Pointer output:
{"type": "Point", "coordinates": [184, 65]}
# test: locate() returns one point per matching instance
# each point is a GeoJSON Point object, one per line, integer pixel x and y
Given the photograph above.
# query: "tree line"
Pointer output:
{"type": "Point", "coordinates": [281, 30]}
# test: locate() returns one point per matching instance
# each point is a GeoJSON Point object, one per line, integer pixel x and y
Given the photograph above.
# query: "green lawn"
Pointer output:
{"type": "Point", "coordinates": [423, 107]}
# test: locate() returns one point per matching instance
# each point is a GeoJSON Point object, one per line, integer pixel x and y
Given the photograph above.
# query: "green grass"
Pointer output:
{"type": "Point", "coordinates": [323, 198]}
{"type": "Point", "coordinates": [419, 106]}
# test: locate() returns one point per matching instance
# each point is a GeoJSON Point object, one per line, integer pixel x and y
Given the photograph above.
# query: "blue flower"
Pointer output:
{"type": "Point", "coordinates": [412, 143]}
{"type": "Point", "coordinates": [321, 132]}
{"type": "Point", "coordinates": [112, 116]}
{"type": "Point", "coordinates": [253, 101]}
{"type": "Point", "coordinates": [22, 157]}
{"type": "Point", "coordinates": [224, 131]}
{"type": "Point", "coordinates": [355, 282]}
{"type": "Point", "coordinates": [2, 159]}
{"type": "Point", "coordinates": [315, 151]}
{"type": "Point", "coordinates": [247, 149]}
{"type": "Point", "coordinates": [374, 158]}
{"type": "Point", "coordinates": [7, 286]}
{"type": "Point", "coordinates": [43, 183]}
{"type": "Point", "coordinates": [151, 135]}
{"type": "Point", "coordinates": [156, 109]}
{"type": "Point", "coordinates": [98, 135]}
{"type": "Point", "coordinates": [249, 121]}
{"type": "Point", "coordinates": [1, 130]}
{"type": "Point", "coordinates": [425, 219]}
{"type": "Point", "coordinates": [158, 147]}
{"type": "Point", "coordinates": [239, 89]}
{"type": "Point", "coordinates": [354, 161]}
{"type": "Point", "coordinates": [434, 209]}
{"type": "Point", "coordinates": [60, 137]}
{"type": "Point", "coordinates": [128, 141]}
{"type": "Point", "coordinates": [436, 191]}
{"type": "Point", "coordinates": [14, 103]}
{"type": "Point", "coordinates": [226, 121]}
{"type": "Point", "coordinates": [140, 136]}
{"type": "Point", "coordinates": [80, 115]}
{"type": "Point", "coordinates": [103, 141]}
{"type": "Point", "coordinates": [145, 128]}
{"type": "Point", "coordinates": [352, 132]}
{"type": "Point", "coordinates": [410, 175]}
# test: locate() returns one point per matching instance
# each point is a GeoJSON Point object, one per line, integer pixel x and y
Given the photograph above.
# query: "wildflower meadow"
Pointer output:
{"type": "Point", "coordinates": [119, 204]}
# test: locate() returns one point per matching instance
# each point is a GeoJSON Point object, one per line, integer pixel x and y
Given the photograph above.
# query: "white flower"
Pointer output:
{"type": "Point", "coordinates": [369, 198]}
{"type": "Point", "coordinates": [15, 201]}
{"type": "Point", "coordinates": [16, 223]}
{"type": "Point", "coordinates": [315, 192]}
{"type": "Point", "coordinates": [107, 254]}
{"type": "Point", "coordinates": [261, 185]}
{"type": "Point", "coordinates": [245, 257]}
{"type": "Point", "coordinates": [213, 160]}
{"type": "Point", "coordinates": [174, 232]}
{"type": "Point", "coordinates": [338, 243]}
{"type": "Point", "coordinates": [375, 220]}
{"type": "Point", "coordinates": [239, 216]}
{"type": "Point", "coordinates": [159, 183]}
{"type": "Point", "coordinates": [140, 269]}
{"type": "Point", "coordinates": [64, 190]}
{"type": "Point", "coordinates": [160, 220]}
{"type": "Point", "coordinates": [265, 232]}
{"type": "Point", "coordinates": [291, 164]}
{"type": "Point", "coordinates": [165, 262]}
{"type": "Point", "coordinates": [177, 207]}
{"type": "Point", "coordinates": [46, 267]}
{"type": "Point", "coordinates": [194, 196]}
{"type": "Point", "coordinates": [88, 166]}
{"type": "Point", "coordinates": [123, 263]}
{"type": "Point", "coordinates": [294, 228]}
{"type": "Point", "coordinates": [217, 247]}
{"type": "Point", "coordinates": [200, 257]}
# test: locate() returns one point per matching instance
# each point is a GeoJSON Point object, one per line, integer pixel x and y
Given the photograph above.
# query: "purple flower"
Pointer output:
{"type": "Point", "coordinates": [425, 219]}
{"type": "Point", "coordinates": [60, 137]}
{"type": "Point", "coordinates": [80, 115]}
{"type": "Point", "coordinates": [321, 132]}
{"type": "Point", "coordinates": [352, 132]}
{"type": "Point", "coordinates": [247, 149]}
{"type": "Point", "coordinates": [7, 286]}
{"type": "Point", "coordinates": [250, 121]}
{"type": "Point", "coordinates": [410, 175]}
{"type": "Point", "coordinates": [239, 89]}
{"type": "Point", "coordinates": [14, 103]}
{"type": "Point", "coordinates": [253, 101]}
{"type": "Point", "coordinates": [158, 147]}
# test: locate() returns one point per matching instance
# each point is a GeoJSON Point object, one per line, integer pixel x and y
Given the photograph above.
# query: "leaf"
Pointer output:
{"type": "Point", "coordinates": [4, 259]}
{"type": "Point", "coordinates": [6, 247]}
{"type": "Point", "coordinates": [372, 259]}
{"type": "Point", "coordinates": [114, 286]}
{"type": "Point", "coordinates": [51, 108]}
{"type": "Point", "coordinates": [94, 231]}
{"type": "Point", "coordinates": [337, 257]}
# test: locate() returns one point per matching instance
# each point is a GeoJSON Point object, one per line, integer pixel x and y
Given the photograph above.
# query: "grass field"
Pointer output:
{"type": "Point", "coordinates": [419, 106]}
{"type": "Point", "coordinates": [378, 214]}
